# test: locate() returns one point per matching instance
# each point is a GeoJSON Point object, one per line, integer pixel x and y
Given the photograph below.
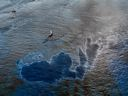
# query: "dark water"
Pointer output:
{"type": "Point", "coordinates": [43, 71]}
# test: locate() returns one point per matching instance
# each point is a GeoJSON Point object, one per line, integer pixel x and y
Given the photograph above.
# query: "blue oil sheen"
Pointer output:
{"type": "Point", "coordinates": [58, 68]}
{"type": "Point", "coordinates": [80, 72]}
{"type": "Point", "coordinates": [40, 71]}
{"type": "Point", "coordinates": [119, 67]}
{"type": "Point", "coordinates": [43, 71]}
{"type": "Point", "coordinates": [119, 70]}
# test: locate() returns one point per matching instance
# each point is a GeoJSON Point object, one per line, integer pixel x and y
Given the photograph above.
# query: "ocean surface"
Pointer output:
{"type": "Point", "coordinates": [86, 56]}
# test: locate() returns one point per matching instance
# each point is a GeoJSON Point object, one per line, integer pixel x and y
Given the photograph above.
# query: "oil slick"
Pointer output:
{"type": "Point", "coordinates": [51, 72]}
